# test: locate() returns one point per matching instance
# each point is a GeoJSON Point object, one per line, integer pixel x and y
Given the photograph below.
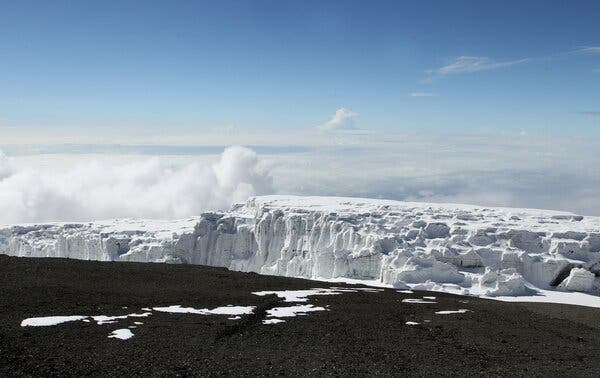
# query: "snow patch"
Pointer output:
{"type": "Point", "coordinates": [104, 319]}
{"type": "Point", "coordinates": [227, 310]}
{"type": "Point", "coordinates": [302, 295]}
{"type": "Point", "coordinates": [47, 321]}
{"type": "Point", "coordinates": [121, 334]}
{"type": "Point", "coordinates": [292, 311]}
{"type": "Point", "coordinates": [273, 321]}
{"type": "Point", "coordinates": [448, 312]}
{"type": "Point", "coordinates": [417, 301]}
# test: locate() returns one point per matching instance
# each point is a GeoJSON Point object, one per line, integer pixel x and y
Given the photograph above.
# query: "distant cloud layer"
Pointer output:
{"type": "Point", "coordinates": [421, 94]}
{"type": "Point", "coordinates": [341, 119]}
{"type": "Point", "coordinates": [146, 188]}
{"type": "Point", "coordinates": [510, 169]}
{"type": "Point", "coordinates": [515, 169]}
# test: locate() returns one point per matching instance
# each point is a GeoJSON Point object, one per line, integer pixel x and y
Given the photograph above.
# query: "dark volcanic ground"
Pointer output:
{"type": "Point", "coordinates": [362, 333]}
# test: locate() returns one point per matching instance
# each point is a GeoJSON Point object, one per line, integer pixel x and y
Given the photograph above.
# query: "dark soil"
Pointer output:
{"type": "Point", "coordinates": [361, 334]}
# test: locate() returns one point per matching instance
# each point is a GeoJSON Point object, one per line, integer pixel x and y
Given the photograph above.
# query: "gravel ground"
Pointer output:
{"type": "Point", "coordinates": [362, 333]}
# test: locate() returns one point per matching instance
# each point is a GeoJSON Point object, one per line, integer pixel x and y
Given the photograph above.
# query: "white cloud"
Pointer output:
{"type": "Point", "coordinates": [588, 50]}
{"type": "Point", "coordinates": [146, 188]}
{"type": "Point", "coordinates": [341, 119]}
{"type": "Point", "coordinates": [467, 64]}
{"type": "Point", "coordinates": [484, 169]}
{"type": "Point", "coordinates": [6, 168]}
{"type": "Point", "coordinates": [421, 94]}
{"type": "Point", "coordinates": [510, 169]}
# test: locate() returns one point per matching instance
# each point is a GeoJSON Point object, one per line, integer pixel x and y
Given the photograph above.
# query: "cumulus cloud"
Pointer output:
{"type": "Point", "coordinates": [146, 188]}
{"type": "Point", "coordinates": [341, 119]}
{"type": "Point", "coordinates": [238, 176]}
{"type": "Point", "coordinates": [6, 168]}
{"type": "Point", "coordinates": [467, 64]}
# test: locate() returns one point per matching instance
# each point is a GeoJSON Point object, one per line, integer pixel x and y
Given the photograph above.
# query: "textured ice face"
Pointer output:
{"type": "Point", "coordinates": [579, 279]}
{"type": "Point", "coordinates": [456, 248]}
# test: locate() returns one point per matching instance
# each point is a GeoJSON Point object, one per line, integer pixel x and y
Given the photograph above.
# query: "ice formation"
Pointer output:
{"type": "Point", "coordinates": [463, 249]}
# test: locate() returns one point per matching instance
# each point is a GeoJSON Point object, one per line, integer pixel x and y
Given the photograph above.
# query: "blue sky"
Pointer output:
{"type": "Point", "coordinates": [488, 103]}
{"type": "Point", "coordinates": [288, 66]}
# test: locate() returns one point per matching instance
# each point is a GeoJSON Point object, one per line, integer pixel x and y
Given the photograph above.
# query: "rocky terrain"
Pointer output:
{"type": "Point", "coordinates": [360, 331]}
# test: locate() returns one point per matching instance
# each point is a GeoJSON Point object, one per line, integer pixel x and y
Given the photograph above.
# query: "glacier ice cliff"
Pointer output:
{"type": "Point", "coordinates": [459, 248]}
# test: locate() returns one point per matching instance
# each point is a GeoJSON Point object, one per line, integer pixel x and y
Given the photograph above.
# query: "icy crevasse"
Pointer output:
{"type": "Point", "coordinates": [476, 250]}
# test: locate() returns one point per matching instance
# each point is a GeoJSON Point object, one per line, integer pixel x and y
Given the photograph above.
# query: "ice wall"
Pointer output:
{"type": "Point", "coordinates": [459, 248]}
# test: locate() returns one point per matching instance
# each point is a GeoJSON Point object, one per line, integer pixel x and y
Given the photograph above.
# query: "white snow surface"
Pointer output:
{"type": "Point", "coordinates": [122, 334]}
{"type": "Point", "coordinates": [106, 319]}
{"type": "Point", "coordinates": [472, 250]}
{"type": "Point", "coordinates": [225, 310]}
{"type": "Point", "coordinates": [449, 312]}
{"type": "Point", "coordinates": [417, 301]}
{"type": "Point", "coordinates": [301, 295]}
{"type": "Point", "coordinates": [273, 321]}
{"type": "Point", "coordinates": [47, 321]}
{"type": "Point", "coordinates": [292, 311]}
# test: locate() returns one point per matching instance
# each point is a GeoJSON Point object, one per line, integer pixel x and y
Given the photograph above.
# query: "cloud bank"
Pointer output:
{"type": "Point", "coordinates": [491, 169]}
{"type": "Point", "coordinates": [511, 169]}
{"type": "Point", "coordinates": [147, 188]}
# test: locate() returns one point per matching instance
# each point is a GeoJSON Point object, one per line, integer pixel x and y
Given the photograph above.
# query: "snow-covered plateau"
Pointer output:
{"type": "Point", "coordinates": [494, 252]}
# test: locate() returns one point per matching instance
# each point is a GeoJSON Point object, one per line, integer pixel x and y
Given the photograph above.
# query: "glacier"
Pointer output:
{"type": "Point", "coordinates": [464, 249]}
